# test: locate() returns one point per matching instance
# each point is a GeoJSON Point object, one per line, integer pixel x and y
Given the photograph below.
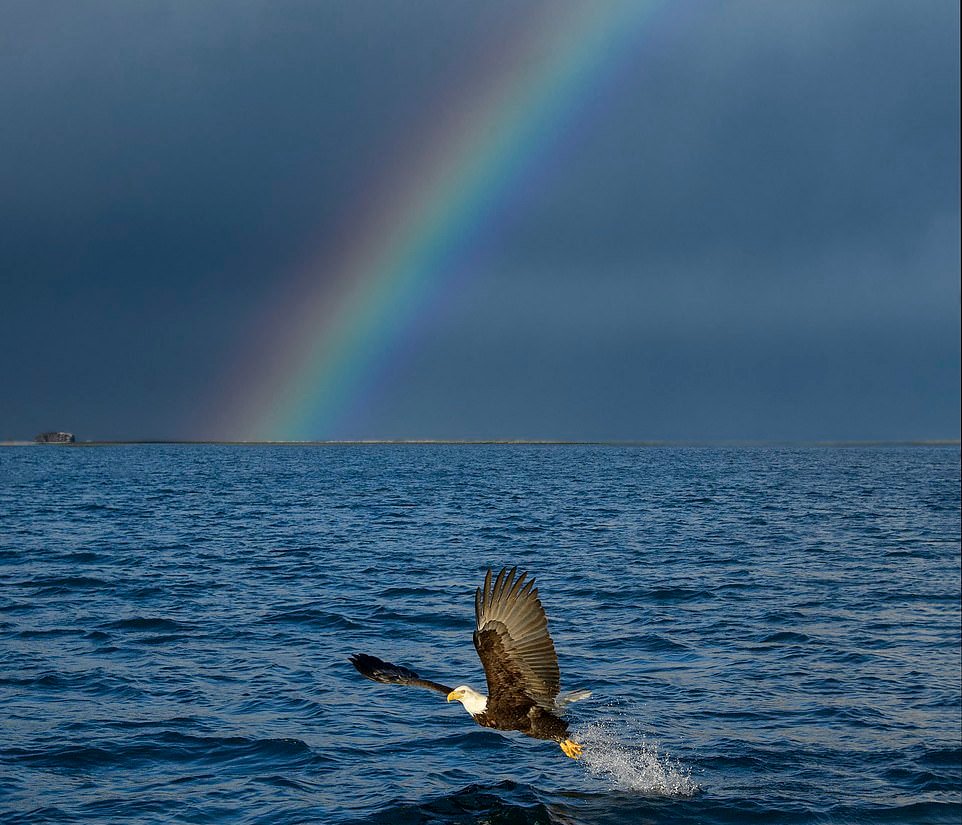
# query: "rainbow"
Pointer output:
{"type": "Point", "coordinates": [333, 332]}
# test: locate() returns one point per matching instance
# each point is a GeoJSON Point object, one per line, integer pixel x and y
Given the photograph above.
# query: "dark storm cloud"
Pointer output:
{"type": "Point", "coordinates": [163, 166]}
{"type": "Point", "coordinates": [751, 230]}
{"type": "Point", "coordinates": [193, 115]}
{"type": "Point", "coordinates": [781, 125]}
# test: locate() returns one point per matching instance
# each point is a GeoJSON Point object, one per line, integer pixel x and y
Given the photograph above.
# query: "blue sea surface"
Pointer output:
{"type": "Point", "coordinates": [771, 635]}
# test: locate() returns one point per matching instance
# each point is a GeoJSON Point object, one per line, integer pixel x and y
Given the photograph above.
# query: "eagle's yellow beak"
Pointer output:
{"type": "Point", "coordinates": [455, 694]}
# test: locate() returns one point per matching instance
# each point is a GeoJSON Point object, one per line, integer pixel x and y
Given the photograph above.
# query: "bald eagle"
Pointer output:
{"type": "Point", "coordinates": [519, 659]}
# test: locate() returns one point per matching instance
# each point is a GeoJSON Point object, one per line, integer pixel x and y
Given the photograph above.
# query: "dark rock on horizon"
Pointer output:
{"type": "Point", "coordinates": [55, 438]}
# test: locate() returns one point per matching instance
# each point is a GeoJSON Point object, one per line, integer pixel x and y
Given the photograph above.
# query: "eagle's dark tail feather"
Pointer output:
{"type": "Point", "coordinates": [377, 670]}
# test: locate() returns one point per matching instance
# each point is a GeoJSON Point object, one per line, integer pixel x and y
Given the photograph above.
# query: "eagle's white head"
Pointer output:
{"type": "Point", "coordinates": [474, 702]}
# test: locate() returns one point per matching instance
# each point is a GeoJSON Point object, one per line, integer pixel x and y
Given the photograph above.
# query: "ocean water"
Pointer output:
{"type": "Point", "coordinates": [771, 635]}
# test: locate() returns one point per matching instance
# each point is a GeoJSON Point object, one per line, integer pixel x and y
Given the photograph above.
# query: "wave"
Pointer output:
{"type": "Point", "coordinates": [514, 803]}
{"type": "Point", "coordinates": [164, 746]}
{"type": "Point", "coordinates": [406, 620]}
{"type": "Point", "coordinates": [786, 636]}
{"type": "Point", "coordinates": [673, 595]}
{"type": "Point", "coordinates": [312, 617]}
{"type": "Point", "coordinates": [55, 585]}
{"type": "Point", "coordinates": [98, 683]}
{"type": "Point", "coordinates": [80, 555]}
{"type": "Point", "coordinates": [504, 802]}
{"type": "Point", "coordinates": [50, 633]}
{"type": "Point", "coordinates": [148, 623]}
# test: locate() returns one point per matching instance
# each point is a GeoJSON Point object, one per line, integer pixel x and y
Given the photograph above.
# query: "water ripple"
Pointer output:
{"type": "Point", "coordinates": [770, 635]}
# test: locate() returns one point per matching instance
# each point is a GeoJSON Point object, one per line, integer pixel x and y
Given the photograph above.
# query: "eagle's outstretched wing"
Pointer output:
{"type": "Point", "coordinates": [377, 670]}
{"type": "Point", "coordinates": [512, 641]}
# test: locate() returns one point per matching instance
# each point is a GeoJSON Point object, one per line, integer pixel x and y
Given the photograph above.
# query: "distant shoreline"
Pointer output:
{"type": "Point", "coordinates": [415, 442]}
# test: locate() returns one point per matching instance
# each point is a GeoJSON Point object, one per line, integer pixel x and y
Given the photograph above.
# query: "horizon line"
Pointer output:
{"type": "Point", "coordinates": [686, 442]}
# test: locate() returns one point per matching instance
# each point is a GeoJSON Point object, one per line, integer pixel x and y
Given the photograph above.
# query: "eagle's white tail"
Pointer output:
{"type": "Point", "coordinates": [567, 697]}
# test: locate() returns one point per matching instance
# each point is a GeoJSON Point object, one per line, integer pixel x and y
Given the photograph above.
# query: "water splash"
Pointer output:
{"type": "Point", "coordinates": [627, 762]}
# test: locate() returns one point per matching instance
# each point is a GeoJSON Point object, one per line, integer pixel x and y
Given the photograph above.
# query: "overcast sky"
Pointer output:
{"type": "Point", "coordinates": [750, 230]}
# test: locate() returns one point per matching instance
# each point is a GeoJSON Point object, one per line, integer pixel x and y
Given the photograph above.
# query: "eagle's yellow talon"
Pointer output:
{"type": "Point", "coordinates": [571, 748]}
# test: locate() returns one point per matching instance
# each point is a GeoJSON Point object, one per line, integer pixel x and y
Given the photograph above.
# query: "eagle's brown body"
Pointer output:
{"type": "Point", "coordinates": [536, 723]}
{"type": "Point", "coordinates": [520, 663]}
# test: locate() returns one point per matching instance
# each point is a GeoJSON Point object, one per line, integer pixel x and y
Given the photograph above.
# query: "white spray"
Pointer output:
{"type": "Point", "coordinates": [637, 766]}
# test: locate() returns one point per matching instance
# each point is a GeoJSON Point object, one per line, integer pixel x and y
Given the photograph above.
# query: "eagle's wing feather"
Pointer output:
{"type": "Point", "coordinates": [512, 641]}
{"type": "Point", "coordinates": [377, 670]}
